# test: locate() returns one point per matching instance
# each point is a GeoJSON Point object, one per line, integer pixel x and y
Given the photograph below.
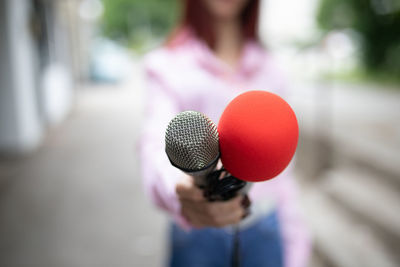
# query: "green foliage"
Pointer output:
{"type": "Point", "coordinates": [133, 21]}
{"type": "Point", "coordinates": [378, 24]}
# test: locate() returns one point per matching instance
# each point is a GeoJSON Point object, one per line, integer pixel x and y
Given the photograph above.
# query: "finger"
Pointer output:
{"type": "Point", "coordinates": [235, 216]}
{"type": "Point", "coordinates": [246, 202]}
{"type": "Point", "coordinates": [195, 218]}
{"type": "Point", "coordinates": [231, 218]}
{"type": "Point", "coordinates": [198, 213]}
{"type": "Point", "coordinates": [186, 189]}
{"type": "Point", "coordinates": [222, 213]}
{"type": "Point", "coordinates": [226, 207]}
{"type": "Point", "coordinates": [193, 206]}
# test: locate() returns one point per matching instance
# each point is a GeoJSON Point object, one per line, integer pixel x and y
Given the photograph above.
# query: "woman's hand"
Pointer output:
{"type": "Point", "coordinates": [201, 213]}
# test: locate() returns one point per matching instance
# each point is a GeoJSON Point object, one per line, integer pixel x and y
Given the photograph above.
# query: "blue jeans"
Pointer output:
{"type": "Point", "coordinates": [260, 245]}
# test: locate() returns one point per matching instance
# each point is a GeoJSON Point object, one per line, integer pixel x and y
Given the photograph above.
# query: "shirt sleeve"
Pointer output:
{"type": "Point", "coordinates": [159, 176]}
{"type": "Point", "coordinates": [297, 243]}
{"type": "Point", "coordinates": [296, 236]}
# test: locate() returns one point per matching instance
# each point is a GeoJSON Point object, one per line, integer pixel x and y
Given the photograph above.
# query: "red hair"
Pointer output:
{"type": "Point", "coordinates": [197, 18]}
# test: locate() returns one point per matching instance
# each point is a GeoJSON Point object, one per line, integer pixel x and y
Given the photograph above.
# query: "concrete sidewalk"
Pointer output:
{"type": "Point", "coordinates": [78, 201]}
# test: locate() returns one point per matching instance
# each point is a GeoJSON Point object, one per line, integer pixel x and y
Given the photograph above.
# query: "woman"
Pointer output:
{"type": "Point", "coordinates": [213, 56]}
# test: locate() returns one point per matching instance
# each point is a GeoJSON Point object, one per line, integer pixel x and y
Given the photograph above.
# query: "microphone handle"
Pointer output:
{"type": "Point", "coordinates": [218, 185]}
{"type": "Point", "coordinates": [221, 185]}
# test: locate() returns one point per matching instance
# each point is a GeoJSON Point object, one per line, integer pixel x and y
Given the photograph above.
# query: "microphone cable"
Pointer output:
{"type": "Point", "coordinates": [221, 186]}
{"type": "Point", "coordinates": [236, 247]}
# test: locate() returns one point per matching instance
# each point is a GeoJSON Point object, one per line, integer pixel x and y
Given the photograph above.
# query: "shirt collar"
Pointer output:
{"type": "Point", "coordinates": [253, 56]}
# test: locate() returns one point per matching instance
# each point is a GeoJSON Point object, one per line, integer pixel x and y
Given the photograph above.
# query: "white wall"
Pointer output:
{"type": "Point", "coordinates": [21, 129]}
{"type": "Point", "coordinates": [7, 95]}
{"type": "Point", "coordinates": [34, 94]}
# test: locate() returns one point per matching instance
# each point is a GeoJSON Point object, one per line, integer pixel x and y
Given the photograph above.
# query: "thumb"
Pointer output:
{"type": "Point", "coordinates": [186, 189]}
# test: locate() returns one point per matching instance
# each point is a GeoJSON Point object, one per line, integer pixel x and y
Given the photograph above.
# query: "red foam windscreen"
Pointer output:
{"type": "Point", "coordinates": [258, 134]}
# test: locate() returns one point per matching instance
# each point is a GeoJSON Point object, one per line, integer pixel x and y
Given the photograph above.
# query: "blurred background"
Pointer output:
{"type": "Point", "coordinates": [71, 101]}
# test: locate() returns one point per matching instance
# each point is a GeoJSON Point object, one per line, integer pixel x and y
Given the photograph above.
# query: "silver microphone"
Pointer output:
{"type": "Point", "coordinates": [191, 143]}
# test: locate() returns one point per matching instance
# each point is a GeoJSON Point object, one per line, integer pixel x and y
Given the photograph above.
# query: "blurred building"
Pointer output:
{"type": "Point", "coordinates": [42, 61]}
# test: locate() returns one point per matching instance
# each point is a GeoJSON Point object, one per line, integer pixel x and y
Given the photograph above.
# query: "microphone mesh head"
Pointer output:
{"type": "Point", "coordinates": [191, 141]}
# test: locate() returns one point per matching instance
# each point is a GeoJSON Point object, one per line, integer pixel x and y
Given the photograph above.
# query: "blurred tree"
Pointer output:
{"type": "Point", "coordinates": [135, 21]}
{"type": "Point", "coordinates": [378, 24]}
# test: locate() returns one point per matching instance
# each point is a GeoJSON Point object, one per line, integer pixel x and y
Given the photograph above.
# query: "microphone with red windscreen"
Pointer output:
{"type": "Point", "coordinates": [258, 134]}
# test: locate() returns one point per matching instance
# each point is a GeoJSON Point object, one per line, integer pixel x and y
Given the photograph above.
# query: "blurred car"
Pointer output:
{"type": "Point", "coordinates": [109, 62]}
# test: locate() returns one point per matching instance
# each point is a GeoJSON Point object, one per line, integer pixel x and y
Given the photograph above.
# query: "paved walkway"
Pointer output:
{"type": "Point", "coordinates": [78, 201]}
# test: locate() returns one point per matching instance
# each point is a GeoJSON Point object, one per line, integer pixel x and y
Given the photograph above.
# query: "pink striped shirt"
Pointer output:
{"type": "Point", "coordinates": [190, 77]}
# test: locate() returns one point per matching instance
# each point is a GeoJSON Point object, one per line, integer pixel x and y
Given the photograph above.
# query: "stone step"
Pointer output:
{"type": "Point", "coordinates": [375, 155]}
{"type": "Point", "coordinates": [361, 123]}
{"type": "Point", "coordinates": [366, 195]}
{"type": "Point", "coordinates": [342, 240]}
